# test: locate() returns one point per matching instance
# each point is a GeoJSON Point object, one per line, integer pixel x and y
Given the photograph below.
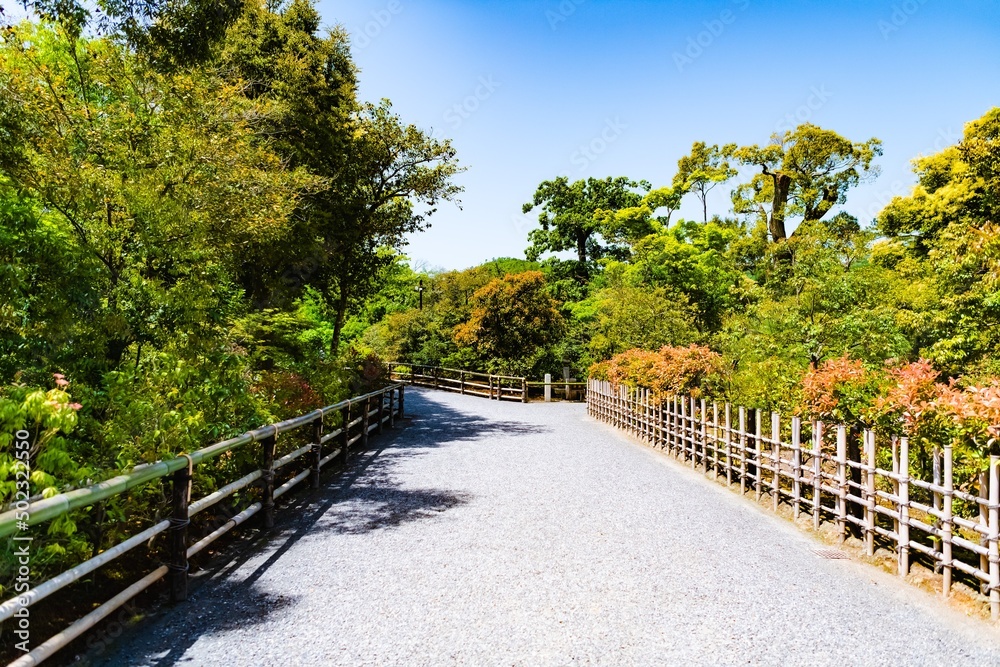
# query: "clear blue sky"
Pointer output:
{"type": "Point", "coordinates": [638, 81]}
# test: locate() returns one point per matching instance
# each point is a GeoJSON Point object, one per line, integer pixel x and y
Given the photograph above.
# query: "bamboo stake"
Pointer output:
{"type": "Point", "coordinates": [895, 483]}
{"type": "Point", "coordinates": [984, 515]}
{"type": "Point", "coordinates": [796, 465]}
{"type": "Point", "coordinates": [817, 454]}
{"type": "Point", "coordinates": [946, 522]}
{"type": "Point", "coordinates": [904, 507]}
{"type": "Point", "coordinates": [842, 482]}
{"type": "Point", "coordinates": [743, 450]}
{"type": "Point", "coordinates": [759, 481]}
{"type": "Point", "coordinates": [870, 494]}
{"type": "Point", "coordinates": [704, 435]}
{"type": "Point", "coordinates": [729, 445]}
{"type": "Point", "coordinates": [776, 459]}
{"type": "Point", "coordinates": [994, 547]}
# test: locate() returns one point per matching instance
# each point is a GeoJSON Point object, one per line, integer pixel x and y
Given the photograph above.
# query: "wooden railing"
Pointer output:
{"type": "Point", "coordinates": [810, 467]}
{"type": "Point", "coordinates": [359, 417]}
{"type": "Point", "coordinates": [497, 387]}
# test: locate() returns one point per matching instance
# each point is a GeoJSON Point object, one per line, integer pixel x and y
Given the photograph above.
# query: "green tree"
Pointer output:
{"type": "Point", "coordinates": [157, 180]}
{"type": "Point", "coordinates": [703, 169]}
{"type": "Point", "coordinates": [574, 216]}
{"type": "Point", "coordinates": [513, 321]}
{"type": "Point", "coordinates": [804, 173]}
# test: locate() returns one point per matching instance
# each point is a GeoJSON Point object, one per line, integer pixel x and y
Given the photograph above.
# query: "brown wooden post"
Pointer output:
{"type": "Point", "coordinates": [994, 545]}
{"type": "Point", "coordinates": [317, 451]}
{"type": "Point", "coordinates": [743, 450]}
{"type": "Point", "coordinates": [461, 382]}
{"type": "Point", "coordinates": [842, 481]}
{"type": "Point", "coordinates": [381, 412]}
{"type": "Point", "coordinates": [704, 434]}
{"type": "Point", "coordinates": [401, 392]}
{"type": "Point", "coordinates": [869, 494]}
{"type": "Point", "coordinates": [946, 520]}
{"type": "Point", "coordinates": [796, 466]}
{"type": "Point", "coordinates": [729, 444]}
{"type": "Point", "coordinates": [524, 390]}
{"type": "Point", "coordinates": [392, 408]}
{"type": "Point", "coordinates": [179, 521]}
{"type": "Point", "coordinates": [267, 480]}
{"type": "Point", "coordinates": [904, 507]}
{"type": "Point", "coordinates": [817, 454]}
{"type": "Point", "coordinates": [346, 434]}
{"type": "Point", "coordinates": [366, 408]}
{"type": "Point", "coordinates": [776, 459]}
{"type": "Point", "coordinates": [984, 518]}
{"type": "Point", "coordinates": [758, 435]}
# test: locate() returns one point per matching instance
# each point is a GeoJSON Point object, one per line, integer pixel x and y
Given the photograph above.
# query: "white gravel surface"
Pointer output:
{"type": "Point", "coordinates": [508, 534]}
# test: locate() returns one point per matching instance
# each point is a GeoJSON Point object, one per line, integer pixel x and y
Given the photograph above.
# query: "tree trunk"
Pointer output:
{"type": "Point", "coordinates": [776, 225]}
{"type": "Point", "coordinates": [581, 248]}
{"type": "Point", "coordinates": [338, 324]}
{"type": "Point", "coordinates": [854, 453]}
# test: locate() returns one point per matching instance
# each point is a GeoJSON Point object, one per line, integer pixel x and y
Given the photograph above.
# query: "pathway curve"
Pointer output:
{"type": "Point", "coordinates": [510, 534]}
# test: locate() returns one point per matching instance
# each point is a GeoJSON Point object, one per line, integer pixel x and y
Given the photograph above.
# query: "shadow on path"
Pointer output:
{"type": "Point", "coordinates": [362, 496]}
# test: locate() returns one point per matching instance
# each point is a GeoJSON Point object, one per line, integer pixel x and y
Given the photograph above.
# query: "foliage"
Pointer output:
{"type": "Point", "coordinates": [803, 172]}
{"type": "Point", "coordinates": [512, 321]}
{"type": "Point", "coordinates": [673, 371]}
{"type": "Point", "coordinates": [579, 216]}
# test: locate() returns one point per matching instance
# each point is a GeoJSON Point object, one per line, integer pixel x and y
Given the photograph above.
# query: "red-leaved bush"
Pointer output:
{"type": "Point", "coordinates": [672, 371]}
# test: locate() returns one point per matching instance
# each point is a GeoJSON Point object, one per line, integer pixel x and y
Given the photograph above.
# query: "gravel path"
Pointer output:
{"type": "Point", "coordinates": [510, 534]}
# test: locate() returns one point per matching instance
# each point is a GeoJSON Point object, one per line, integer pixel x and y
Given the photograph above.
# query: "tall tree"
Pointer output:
{"type": "Point", "coordinates": [804, 173]}
{"type": "Point", "coordinates": [574, 216]}
{"type": "Point", "coordinates": [382, 178]}
{"type": "Point", "coordinates": [160, 180]}
{"type": "Point", "coordinates": [703, 169]}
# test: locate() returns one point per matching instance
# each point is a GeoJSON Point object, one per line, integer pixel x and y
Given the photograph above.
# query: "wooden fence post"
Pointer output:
{"type": "Point", "coordinates": [817, 454]}
{"type": "Point", "coordinates": [402, 414]}
{"type": "Point", "coordinates": [729, 444]}
{"type": "Point", "coordinates": [743, 450]}
{"type": "Point", "coordinates": [317, 452]}
{"type": "Point", "coordinates": [776, 459]}
{"type": "Point", "coordinates": [758, 432]}
{"type": "Point", "coordinates": [381, 413]}
{"type": "Point", "coordinates": [904, 507]}
{"type": "Point", "coordinates": [869, 494]}
{"type": "Point", "coordinates": [392, 408]}
{"type": "Point", "coordinates": [524, 390]}
{"type": "Point", "coordinates": [842, 481]}
{"type": "Point", "coordinates": [946, 521]}
{"type": "Point", "coordinates": [994, 547]}
{"type": "Point", "coordinates": [179, 521]}
{"type": "Point", "coordinates": [984, 519]}
{"type": "Point", "coordinates": [346, 432]}
{"type": "Point", "coordinates": [796, 466]}
{"type": "Point", "coordinates": [461, 383]}
{"type": "Point", "coordinates": [703, 422]}
{"type": "Point", "coordinates": [366, 408]}
{"type": "Point", "coordinates": [267, 479]}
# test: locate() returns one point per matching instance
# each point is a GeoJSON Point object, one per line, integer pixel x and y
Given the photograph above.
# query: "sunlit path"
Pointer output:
{"type": "Point", "coordinates": [490, 533]}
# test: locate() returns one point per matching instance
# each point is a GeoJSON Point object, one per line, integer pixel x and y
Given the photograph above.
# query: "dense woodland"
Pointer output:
{"type": "Point", "coordinates": [202, 230]}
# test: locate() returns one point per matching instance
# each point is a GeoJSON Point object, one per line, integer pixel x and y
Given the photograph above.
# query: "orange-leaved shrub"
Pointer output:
{"type": "Point", "coordinates": [693, 370]}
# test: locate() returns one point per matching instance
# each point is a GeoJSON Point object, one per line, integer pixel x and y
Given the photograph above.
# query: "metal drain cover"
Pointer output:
{"type": "Point", "coordinates": [831, 554]}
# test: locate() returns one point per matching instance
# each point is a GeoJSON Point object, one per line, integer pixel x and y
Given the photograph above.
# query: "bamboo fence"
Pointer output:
{"type": "Point", "coordinates": [359, 417]}
{"type": "Point", "coordinates": [494, 387]}
{"type": "Point", "coordinates": [860, 482]}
